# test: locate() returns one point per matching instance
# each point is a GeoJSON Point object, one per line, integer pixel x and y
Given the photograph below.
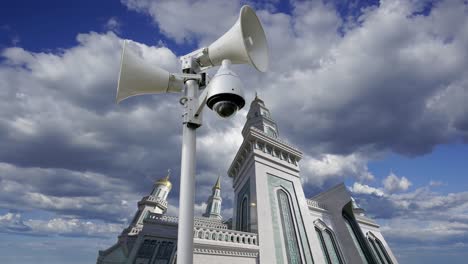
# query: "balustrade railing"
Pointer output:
{"type": "Point", "coordinates": [230, 236]}
{"type": "Point", "coordinates": [315, 204]}
{"type": "Point", "coordinates": [206, 229]}
{"type": "Point", "coordinates": [152, 198]}
{"type": "Point", "coordinates": [198, 221]}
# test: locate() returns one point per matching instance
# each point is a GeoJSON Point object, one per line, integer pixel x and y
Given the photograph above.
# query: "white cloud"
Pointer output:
{"type": "Point", "coordinates": [72, 226]}
{"type": "Point", "coordinates": [393, 183]}
{"type": "Point", "coordinates": [83, 194]}
{"type": "Point", "coordinates": [113, 24]}
{"type": "Point", "coordinates": [186, 20]}
{"type": "Point", "coordinates": [337, 167]}
{"type": "Point", "coordinates": [14, 223]}
{"type": "Point", "coordinates": [11, 222]}
{"type": "Point", "coordinates": [359, 188]}
{"type": "Point", "coordinates": [419, 230]}
{"type": "Point", "coordinates": [346, 94]}
{"type": "Point", "coordinates": [417, 218]}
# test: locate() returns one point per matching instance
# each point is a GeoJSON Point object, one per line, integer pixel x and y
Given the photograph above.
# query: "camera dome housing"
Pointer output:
{"type": "Point", "coordinates": [225, 95]}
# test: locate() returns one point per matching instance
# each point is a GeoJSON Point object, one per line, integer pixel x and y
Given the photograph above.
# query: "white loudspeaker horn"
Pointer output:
{"type": "Point", "coordinates": [137, 77]}
{"type": "Point", "coordinates": [245, 42]}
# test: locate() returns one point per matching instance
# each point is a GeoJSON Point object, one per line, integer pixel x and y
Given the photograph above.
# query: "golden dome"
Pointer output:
{"type": "Point", "coordinates": [164, 181]}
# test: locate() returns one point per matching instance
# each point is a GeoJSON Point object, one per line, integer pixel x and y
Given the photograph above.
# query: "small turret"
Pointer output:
{"type": "Point", "coordinates": [162, 187]}
{"type": "Point", "coordinates": [259, 117]}
{"type": "Point", "coordinates": [156, 203]}
{"type": "Point", "coordinates": [213, 207]}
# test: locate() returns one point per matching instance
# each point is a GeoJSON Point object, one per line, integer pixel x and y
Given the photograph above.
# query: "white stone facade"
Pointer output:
{"type": "Point", "coordinates": [272, 223]}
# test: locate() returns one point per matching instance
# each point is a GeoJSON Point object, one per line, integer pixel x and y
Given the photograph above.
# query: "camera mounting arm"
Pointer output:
{"type": "Point", "coordinates": [193, 104]}
{"type": "Point", "coordinates": [196, 61]}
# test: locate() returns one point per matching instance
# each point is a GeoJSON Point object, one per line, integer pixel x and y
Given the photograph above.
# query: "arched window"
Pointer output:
{"type": "Point", "coordinates": [244, 225]}
{"type": "Point", "coordinates": [328, 245]}
{"type": "Point", "coordinates": [378, 249]}
{"type": "Point", "coordinates": [289, 230]}
{"type": "Point", "coordinates": [358, 239]}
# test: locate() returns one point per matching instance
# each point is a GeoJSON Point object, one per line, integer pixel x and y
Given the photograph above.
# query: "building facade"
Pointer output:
{"type": "Point", "coordinates": [272, 221]}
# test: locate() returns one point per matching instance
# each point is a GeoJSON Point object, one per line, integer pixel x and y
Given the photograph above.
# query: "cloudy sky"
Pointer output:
{"type": "Point", "coordinates": [374, 93]}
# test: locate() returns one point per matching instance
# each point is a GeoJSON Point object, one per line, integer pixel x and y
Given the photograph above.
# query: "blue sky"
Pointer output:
{"type": "Point", "coordinates": [376, 98]}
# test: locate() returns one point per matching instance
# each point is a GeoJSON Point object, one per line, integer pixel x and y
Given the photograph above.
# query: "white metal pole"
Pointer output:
{"type": "Point", "coordinates": [187, 186]}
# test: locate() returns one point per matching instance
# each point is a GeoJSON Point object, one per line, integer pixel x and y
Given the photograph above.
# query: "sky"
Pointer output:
{"type": "Point", "coordinates": [374, 93]}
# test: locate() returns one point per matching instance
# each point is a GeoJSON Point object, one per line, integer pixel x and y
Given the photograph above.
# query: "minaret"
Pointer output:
{"type": "Point", "coordinates": [259, 117]}
{"type": "Point", "coordinates": [156, 202]}
{"type": "Point", "coordinates": [161, 189]}
{"type": "Point", "coordinates": [268, 195]}
{"type": "Point", "coordinates": [213, 207]}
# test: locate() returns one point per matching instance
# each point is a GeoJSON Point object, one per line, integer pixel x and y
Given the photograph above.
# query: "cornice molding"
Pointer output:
{"type": "Point", "coordinates": [257, 140]}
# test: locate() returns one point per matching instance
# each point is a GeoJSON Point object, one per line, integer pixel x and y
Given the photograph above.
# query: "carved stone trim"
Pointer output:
{"type": "Point", "coordinates": [225, 251]}
{"type": "Point", "coordinates": [152, 200]}
{"type": "Point", "coordinates": [227, 236]}
{"type": "Point", "coordinates": [260, 141]}
{"type": "Point", "coordinates": [315, 204]}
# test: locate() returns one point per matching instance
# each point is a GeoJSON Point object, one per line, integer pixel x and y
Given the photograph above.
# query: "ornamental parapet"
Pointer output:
{"type": "Point", "coordinates": [258, 140]}
{"type": "Point", "coordinates": [209, 229]}
{"type": "Point", "coordinates": [163, 219]}
{"type": "Point", "coordinates": [174, 220]}
{"type": "Point", "coordinates": [154, 199]}
{"type": "Point", "coordinates": [316, 205]}
{"type": "Point", "coordinates": [274, 138]}
{"type": "Point", "coordinates": [229, 236]}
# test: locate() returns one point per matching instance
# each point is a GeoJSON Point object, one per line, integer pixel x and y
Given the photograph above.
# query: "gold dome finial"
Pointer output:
{"type": "Point", "coordinates": [165, 181]}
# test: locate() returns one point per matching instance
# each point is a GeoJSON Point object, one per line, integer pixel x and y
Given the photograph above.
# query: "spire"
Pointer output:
{"type": "Point", "coordinates": [256, 96]}
{"type": "Point", "coordinates": [217, 184]}
{"type": "Point", "coordinates": [257, 100]}
{"type": "Point", "coordinates": [213, 204]}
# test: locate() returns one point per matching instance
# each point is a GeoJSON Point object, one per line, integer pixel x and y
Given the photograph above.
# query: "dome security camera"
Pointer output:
{"type": "Point", "coordinates": [225, 94]}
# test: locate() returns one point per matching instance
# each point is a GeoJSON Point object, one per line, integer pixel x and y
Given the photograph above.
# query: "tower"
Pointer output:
{"type": "Point", "coordinates": [259, 117]}
{"type": "Point", "coordinates": [213, 207]}
{"type": "Point", "coordinates": [268, 194]}
{"type": "Point", "coordinates": [156, 202]}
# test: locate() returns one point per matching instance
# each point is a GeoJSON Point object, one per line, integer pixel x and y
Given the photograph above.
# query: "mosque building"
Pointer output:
{"type": "Point", "coordinates": [272, 222]}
